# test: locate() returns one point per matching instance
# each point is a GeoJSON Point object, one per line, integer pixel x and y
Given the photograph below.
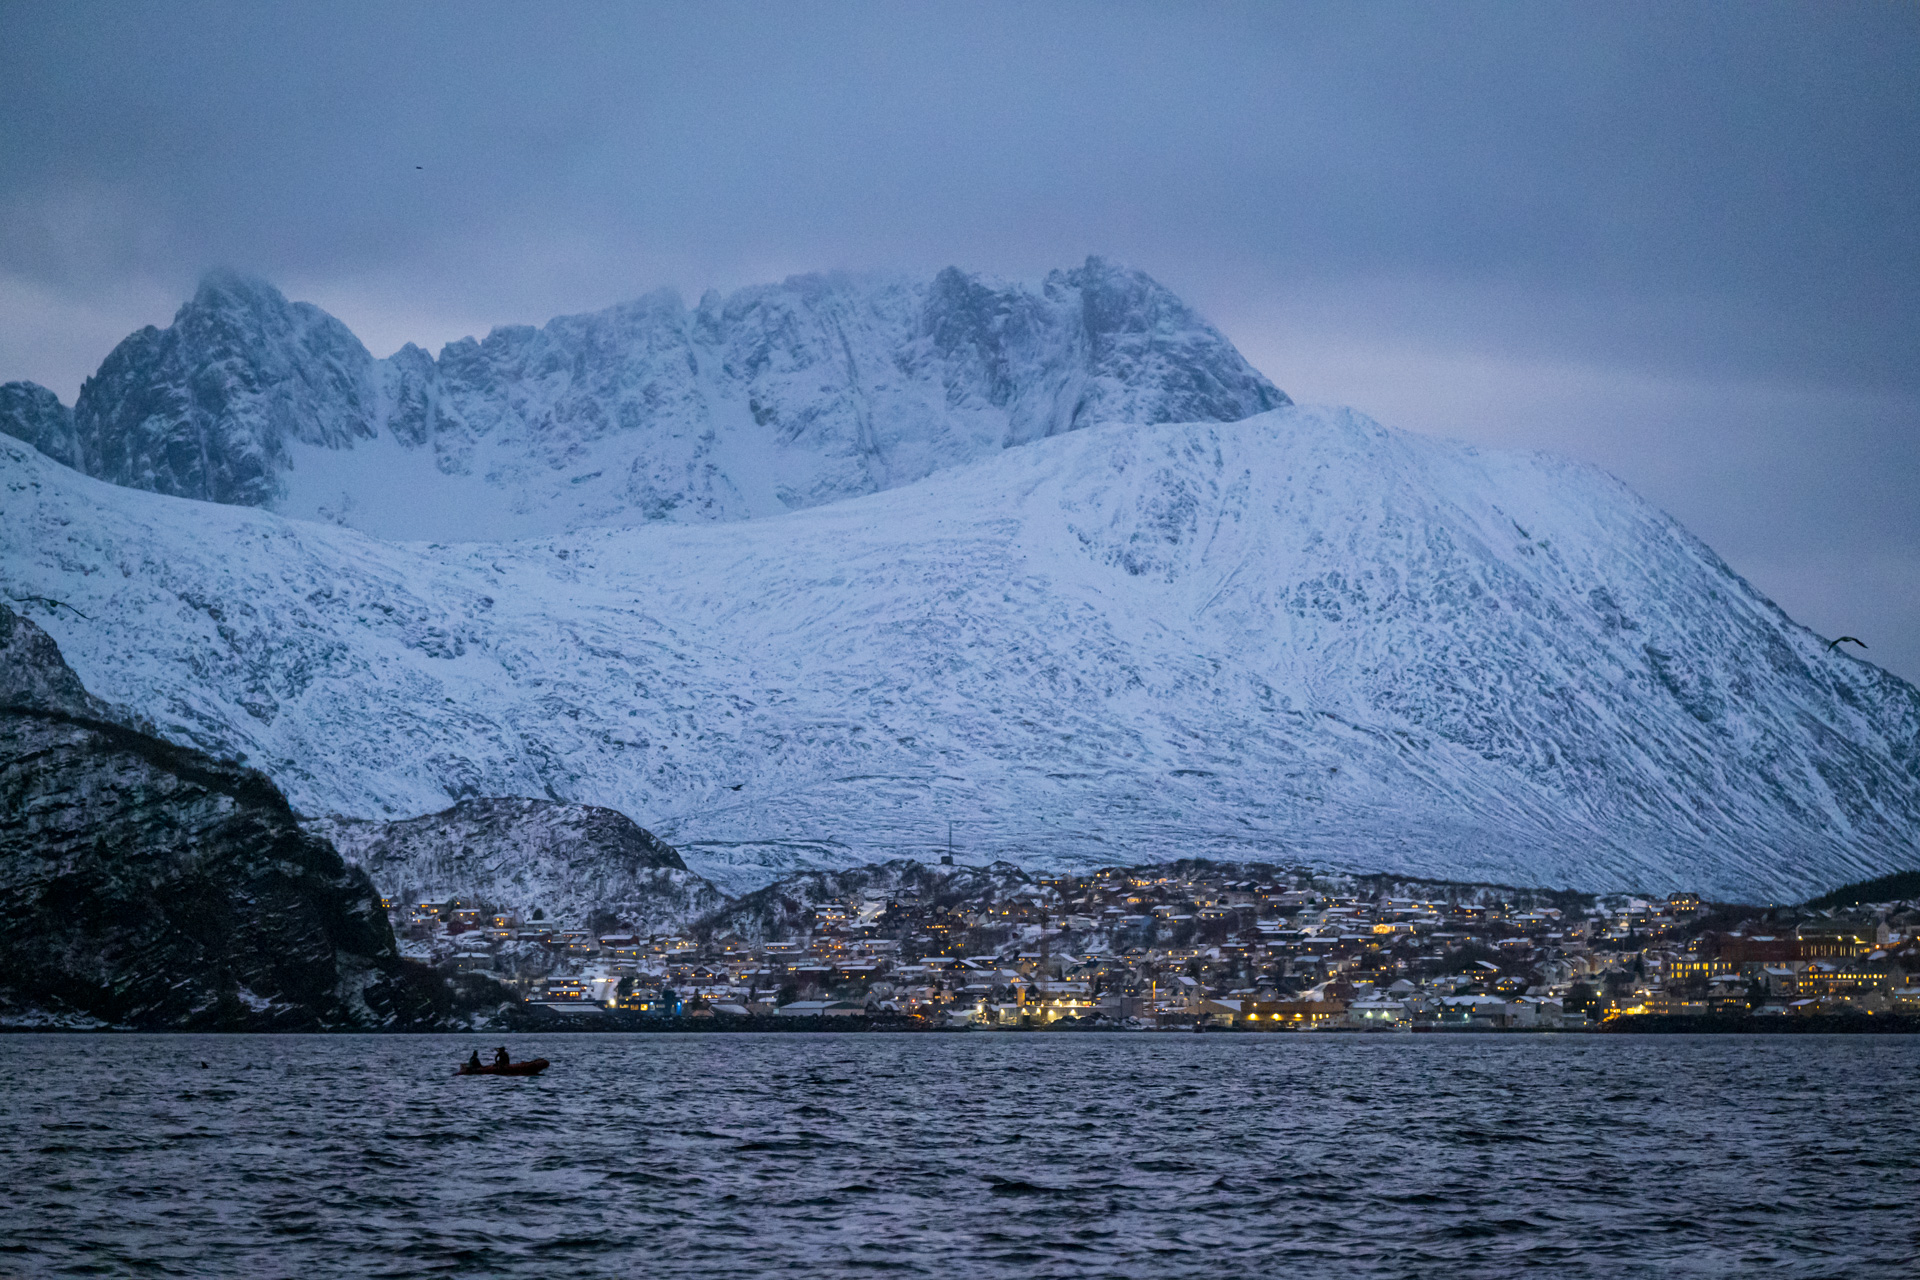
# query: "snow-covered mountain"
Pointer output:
{"type": "Point", "coordinates": [1299, 637]}
{"type": "Point", "coordinates": [775, 398]}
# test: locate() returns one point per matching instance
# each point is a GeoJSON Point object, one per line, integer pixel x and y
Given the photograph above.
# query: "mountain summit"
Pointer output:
{"type": "Point", "coordinates": [774, 398]}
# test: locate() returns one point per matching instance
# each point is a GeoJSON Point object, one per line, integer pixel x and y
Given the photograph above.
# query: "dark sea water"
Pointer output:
{"type": "Point", "coordinates": [963, 1155]}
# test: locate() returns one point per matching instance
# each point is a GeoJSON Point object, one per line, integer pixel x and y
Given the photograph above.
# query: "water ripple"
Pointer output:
{"type": "Point", "coordinates": [959, 1156]}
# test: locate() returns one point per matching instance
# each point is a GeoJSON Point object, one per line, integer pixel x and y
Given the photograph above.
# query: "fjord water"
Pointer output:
{"type": "Point", "coordinates": [962, 1155]}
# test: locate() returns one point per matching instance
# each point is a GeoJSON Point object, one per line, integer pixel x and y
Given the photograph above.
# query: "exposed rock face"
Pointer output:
{"type": "Point", "coordinates": [30, 412]}
{"type": "Point", "coordinates": [569, 861]}
{"type": "Point", "coordinates": [777, 397]}
{"type": "Point", "coordinates": [35, 679]}
{"type": "Point", "coordinates": [208, 407]}
{"type": "Point", "coordinates": [148, 885]}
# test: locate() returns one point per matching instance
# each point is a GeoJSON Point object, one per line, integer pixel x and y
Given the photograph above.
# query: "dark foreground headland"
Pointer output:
{"type": "Point", "coordinates": [148, 885]}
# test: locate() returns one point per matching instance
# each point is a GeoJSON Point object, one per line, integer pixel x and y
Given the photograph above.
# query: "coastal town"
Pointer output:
{"type": "Point", "coordinates": [1188, 947]}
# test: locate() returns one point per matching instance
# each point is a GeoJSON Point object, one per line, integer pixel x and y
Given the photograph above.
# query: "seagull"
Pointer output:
{"type": "Point", "coordinates": [736, 786]}
{"type": "Point", "coordinates": [1845, 640]}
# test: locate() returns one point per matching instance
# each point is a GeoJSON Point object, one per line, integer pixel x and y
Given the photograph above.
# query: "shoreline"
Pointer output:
{"type": "Point", "coordinates": [614, 1024]}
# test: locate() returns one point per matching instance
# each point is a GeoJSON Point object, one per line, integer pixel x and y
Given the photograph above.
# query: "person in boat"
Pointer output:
{"type": "Point", "coordinates": [473, 1063]}
{"type": "Point", "coordinates": [500, 1056]}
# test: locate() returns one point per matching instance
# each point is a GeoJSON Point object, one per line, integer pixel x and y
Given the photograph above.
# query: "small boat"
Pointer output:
{"type": "Point", "coordinates": [531, 1067]}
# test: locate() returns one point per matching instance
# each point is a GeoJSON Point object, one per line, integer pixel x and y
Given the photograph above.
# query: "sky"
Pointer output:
{"type": "Point", "coordinates": [1679, 241]}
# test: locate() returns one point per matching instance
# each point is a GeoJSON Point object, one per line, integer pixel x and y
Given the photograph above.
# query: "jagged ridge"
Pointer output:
{"type": "Point", "coordinates": [774, 398]}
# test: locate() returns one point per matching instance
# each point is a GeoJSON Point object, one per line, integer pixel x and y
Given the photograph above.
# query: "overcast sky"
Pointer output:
{"type": "Point", "coordinates": [1680, 241]}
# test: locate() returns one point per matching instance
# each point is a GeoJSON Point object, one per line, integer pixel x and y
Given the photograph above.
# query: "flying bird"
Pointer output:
{"type": "Point", "coordinates": [736, 786]}
{"type": "Point", "coordinates": [1845, 640]}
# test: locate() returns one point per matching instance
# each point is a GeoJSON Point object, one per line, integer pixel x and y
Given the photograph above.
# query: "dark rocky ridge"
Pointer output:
{"type": "Point", "coordinates": [30, 412]}
{"type": "Point", "coordinates": [569, 861]}
{"type": "Point", "coordinates": [148, 885]}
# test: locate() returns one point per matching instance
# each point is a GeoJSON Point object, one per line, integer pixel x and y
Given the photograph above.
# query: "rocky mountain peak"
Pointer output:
{"type": "Point", "coordinates": [209, 406]}
{"type": "Point", "coordinates": [772, 398]}
{"type": "Point", "coordinates": [30, 412]}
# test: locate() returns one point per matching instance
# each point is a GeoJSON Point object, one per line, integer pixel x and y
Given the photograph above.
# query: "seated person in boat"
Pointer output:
{"type": "Point", "coordinates": [500, 1056]}
{"type": "Point", "coordinates": [473, 1063]}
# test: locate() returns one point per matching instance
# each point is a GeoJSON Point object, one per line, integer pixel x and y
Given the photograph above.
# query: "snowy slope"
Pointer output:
{"type": "Point", "coordinates": [1298, 637]}
{"type": "Point", "coordinates": [778, 397]}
